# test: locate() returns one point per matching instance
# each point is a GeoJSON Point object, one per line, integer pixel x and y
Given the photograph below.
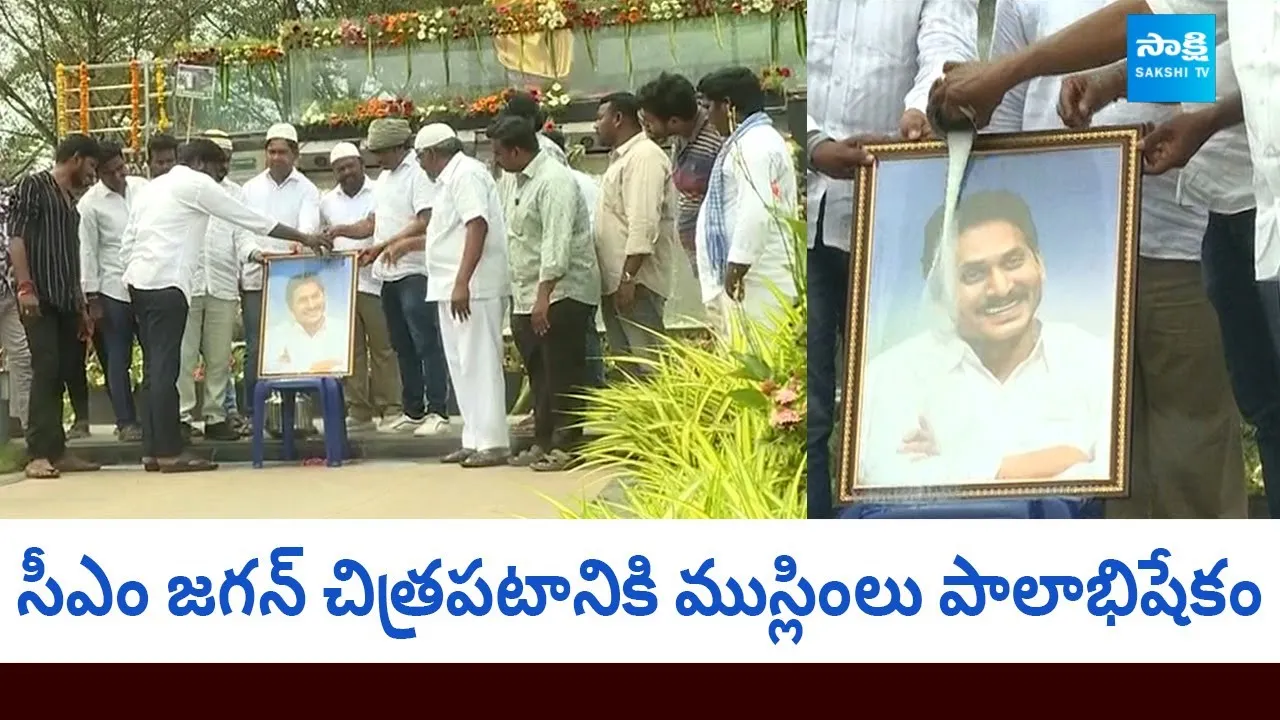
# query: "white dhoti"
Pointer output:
{"type": "Point", "coordinates": [473, 349]}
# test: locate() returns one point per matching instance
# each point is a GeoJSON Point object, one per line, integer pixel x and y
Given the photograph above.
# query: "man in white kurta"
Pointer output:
{"type": "Point", "coordinates": [288, 197]}
{"type": "Point", "coordinates": [998, 393]}
{"type": "Point", "coordinates": [466, 252]}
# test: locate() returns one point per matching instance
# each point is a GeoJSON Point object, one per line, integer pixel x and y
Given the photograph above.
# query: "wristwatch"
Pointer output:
{"type": "Point", "coordinates": [627, 277]}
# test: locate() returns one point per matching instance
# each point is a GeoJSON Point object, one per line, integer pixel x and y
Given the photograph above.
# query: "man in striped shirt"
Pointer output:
{"type": "Point", "coordinates": [669, 106]}
{"type": "Point", "coordinates": [44, 246]}
{"type": "Point", "coordinates": [871, 64]}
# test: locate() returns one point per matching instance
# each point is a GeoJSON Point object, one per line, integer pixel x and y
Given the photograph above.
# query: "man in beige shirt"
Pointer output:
{"type": "Point", "coordinates": [636, 240]}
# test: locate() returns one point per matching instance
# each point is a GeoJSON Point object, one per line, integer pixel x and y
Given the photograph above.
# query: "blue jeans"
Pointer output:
{"type": "Point", "coordinates": [828, 294]}
{"type": "Point", "coordinates": [119, 328]}
{"type": "Point", "coordinates": [229, 403]}
{"type": "Point", "coordinates": [1249, 318]}
{"type": "Point", "coordinates": [251, 315]}
{"type": "Point", "coordinates": [414, 326]}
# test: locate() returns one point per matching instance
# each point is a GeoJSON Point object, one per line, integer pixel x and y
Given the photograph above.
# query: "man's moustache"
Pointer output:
{"type": "Point", "coordinates": [1004, 301]}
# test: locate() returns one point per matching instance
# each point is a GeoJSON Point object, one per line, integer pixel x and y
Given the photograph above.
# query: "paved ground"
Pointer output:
{"type": "Point", "coordinates": [363, 490]}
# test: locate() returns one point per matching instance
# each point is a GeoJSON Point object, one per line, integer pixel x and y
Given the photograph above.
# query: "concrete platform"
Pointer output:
{"type": "Point", "coordinates": [103, 447]}
{"type": "Point", "coordinates": [361, 490]}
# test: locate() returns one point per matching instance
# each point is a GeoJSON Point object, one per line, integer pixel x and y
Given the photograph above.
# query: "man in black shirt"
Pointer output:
{"type": "Point", "coordinates": [44, 247]}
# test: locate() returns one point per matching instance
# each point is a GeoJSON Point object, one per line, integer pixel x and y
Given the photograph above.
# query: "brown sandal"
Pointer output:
{"type": "Point", "coordinates": [187, 464]}
{"type": "Point", "coordinates": [73, 464]}
{"type": "Point", "coordinates": [41, 469]}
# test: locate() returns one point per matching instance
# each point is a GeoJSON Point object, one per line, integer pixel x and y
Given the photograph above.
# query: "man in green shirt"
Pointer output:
{"type": "Point", "coordinates": [555, 286]}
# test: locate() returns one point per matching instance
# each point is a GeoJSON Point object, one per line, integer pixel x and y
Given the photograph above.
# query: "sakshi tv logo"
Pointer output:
{"type": "Point", "coordinates": [1172, 59]}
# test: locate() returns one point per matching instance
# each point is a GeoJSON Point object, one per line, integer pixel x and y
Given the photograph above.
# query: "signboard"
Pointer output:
{"type": "Point", "coordinates": [194, 81]}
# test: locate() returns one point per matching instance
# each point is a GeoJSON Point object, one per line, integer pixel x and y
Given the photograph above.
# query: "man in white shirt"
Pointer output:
{"type": "Point", "coordinates": [311, 342]}
{"type": "Point", "coordinates": [1181, 387]}
{"type": "Point", "coordinates": [163, 242]}
{"type": "Point", "coordinates": [975, 89]}
{"type": "Point", "coordinates": [372, 391]}
{"type": "Point", "coordinates": [999, 393]}
{"type": "Point", "coordinates": [282, 193]}
{"type": "Point", "coordinates": [215, 300]}
{"type": "Point", "coordinates": [745, 254]}
{"type": "Point", "coordinates": [104, 214]}
{"type": "Point", "coordinates": [467, 279]}
{"type": "Point", "coordinates": [870, 66]}
{"type": "Point", "coordinates": [402, 207]}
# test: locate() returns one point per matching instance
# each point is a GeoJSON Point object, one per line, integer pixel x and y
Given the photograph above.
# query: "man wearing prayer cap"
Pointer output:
{"type": "Point", "coordinates": [402, 207]}
{"type": "Point", "coordinates": [286, 195]}
{"type": "Point", "coordinates": [467, 279]}
{"type": "Point", "coordinates": [373, 390]}
{"type": "Point", "coordinates": [211, 316]}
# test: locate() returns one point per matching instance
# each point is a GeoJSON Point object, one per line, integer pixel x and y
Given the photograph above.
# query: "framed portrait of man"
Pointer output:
{"type": "Point", "coordinates": [308, 316]}
{"type": "Point", "coordinates": [989, 348]}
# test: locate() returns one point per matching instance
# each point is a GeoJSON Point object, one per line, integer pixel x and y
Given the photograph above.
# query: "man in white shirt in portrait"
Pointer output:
{"type": "Point", "coordinates": [372, 391]}
{"type": "Point", "coordinates": [402, 207]}
{"type": "Point", "coordinates": [211, 318]}
{"type": "Point", "coordinates": [870, 65]}
{"type": "Point", "coordinates": [974, 90]}
{"type": "Point", "coordinates": [310, 342]}
{"type": "Point", "coordinates": [163, 242]}
{"type": "Point", "coordinates": [287, 196]}
{"type": "Point", "coordinates": [467, 279]}
{"type": "Point", "coordinates": [104, 214]}
{"type": "Point", "coordinates": [1180, 382]}
{"type": "Point", "coordinates": [996, 392]}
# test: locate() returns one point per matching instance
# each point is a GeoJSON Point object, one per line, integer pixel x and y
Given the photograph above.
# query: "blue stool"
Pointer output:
{"type": "Point", "coordinates": [332, 409]}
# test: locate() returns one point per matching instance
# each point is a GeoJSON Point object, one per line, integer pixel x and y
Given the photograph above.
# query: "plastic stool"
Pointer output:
{"type": "Point", "coordinates": [332, 408]}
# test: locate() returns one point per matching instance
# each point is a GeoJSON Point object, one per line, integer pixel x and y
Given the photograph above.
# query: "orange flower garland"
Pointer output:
{"type": "Point", "coordinates": [60, 101]}
{"type": "Point", "coordinates": [135, 106]}
{"type": "Point", "coordinates": [84, 97]}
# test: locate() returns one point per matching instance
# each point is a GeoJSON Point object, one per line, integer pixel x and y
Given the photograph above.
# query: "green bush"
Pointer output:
{"type": "Point", "coordinates": [715, 430]}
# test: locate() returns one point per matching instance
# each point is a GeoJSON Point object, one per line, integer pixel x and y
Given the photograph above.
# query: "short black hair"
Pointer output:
{"type": "Point", "coordinates": [163, 142]}
{"type": "Point", "coordinates": [978, 209]}
{"type": "Point", "coordinates": [625, 104]}
{"type": "Point", "coordinates": [523, 104]}
{"type": "Point", "coordinates": [738, 86]}
{"type": "Point", "coordinates": [109, 150]}
{"type": "Point", "coordinates": [514, 131]}
{"type": "Point", "coordinates": [297, 281]}
{"type": "Point", "coordinates": [669, 96]}
{"type": "Point", "coordinates": [200, 150]}
{"type": "Point", "coordinates": [74, 146]}
{"type": "Point", "coordinates": [556, 136]}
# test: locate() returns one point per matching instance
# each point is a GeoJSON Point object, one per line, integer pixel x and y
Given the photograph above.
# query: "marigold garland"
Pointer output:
{"type": "Point", "coordinates": [162, 121]}
{"type": "Point", "coordinates": [84, 97]}
{"type": "Point", "coordinates": [135, 106]}
{"type": "Point", "coordinates": [60, 101]}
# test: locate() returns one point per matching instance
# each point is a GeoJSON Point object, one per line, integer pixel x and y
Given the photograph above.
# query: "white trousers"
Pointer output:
{"type": "Point", "coordinates": [473, 350]}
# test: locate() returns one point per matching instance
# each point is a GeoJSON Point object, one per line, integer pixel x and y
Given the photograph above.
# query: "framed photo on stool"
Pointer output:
{"type": "Point", "coordinates": [309, 316]}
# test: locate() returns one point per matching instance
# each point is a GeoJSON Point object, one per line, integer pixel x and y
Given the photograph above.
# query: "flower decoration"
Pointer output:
{"type": "Point", "coordinates": [135, 106]}
{"type": "Point", "coordinates": [511, 17]}
{"type": "Point", "coordinates": [162, 106]}
{"type": "Point", "coordinates": [243, 52]}
{"type": "Point", "coordinates": [787, 411]}
{"type": "Point", "coordinates": [775, 78]}
{"type": "Point", "coordinates": [60, 101]}
{"type": "Point", "coordinates": [84, 97]}
{"type": "Point", "coordinates": [353, 113]}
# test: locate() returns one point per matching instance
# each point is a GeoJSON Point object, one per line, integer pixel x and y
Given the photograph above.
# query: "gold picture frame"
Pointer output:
{"type": "Point", "coordinates": [336, 274]}
{"type": "Point", "coordinates": [852, 489]}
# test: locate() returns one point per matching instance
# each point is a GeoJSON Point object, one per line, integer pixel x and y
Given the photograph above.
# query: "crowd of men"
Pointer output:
{"type": "Point", "coordinates": [1207, 324]}
{"type": "Point", "coordinates": [448, 249]}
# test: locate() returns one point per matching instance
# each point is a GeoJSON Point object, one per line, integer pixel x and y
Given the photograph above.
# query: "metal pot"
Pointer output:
{"type": "Point", "coordinates": [303, 416]}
